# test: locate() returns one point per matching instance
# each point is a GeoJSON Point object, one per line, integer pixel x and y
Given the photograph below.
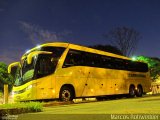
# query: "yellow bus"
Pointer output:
{"type": "Point", "coordinates": [67, 71]}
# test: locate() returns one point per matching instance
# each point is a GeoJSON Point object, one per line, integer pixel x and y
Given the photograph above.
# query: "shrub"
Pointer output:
{"type": "Point", "coordinates": [21, 107]}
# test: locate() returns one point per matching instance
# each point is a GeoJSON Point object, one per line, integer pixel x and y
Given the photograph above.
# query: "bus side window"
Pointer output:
{"type": "Point", "coordinates": [73, 58]}
{"type": "Point", "coordinates": [119, 64]}
{"type": "Point", "coordinates": [107, 62]}
{"type": "Point", "coordinates": [69, 61]}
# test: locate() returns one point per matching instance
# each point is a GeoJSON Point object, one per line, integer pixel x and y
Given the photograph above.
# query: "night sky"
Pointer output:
{"type": "Point", "coordinates": [77, 21]}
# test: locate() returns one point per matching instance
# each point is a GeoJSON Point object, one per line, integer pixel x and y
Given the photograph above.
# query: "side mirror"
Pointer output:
{"type": "Point", "coordinates": [32, 54]}
{"type": "Point", "coordinates": [12, 66]}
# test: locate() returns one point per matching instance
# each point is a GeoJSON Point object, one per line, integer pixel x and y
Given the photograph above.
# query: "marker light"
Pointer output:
{"type": "Point", "coordinates": [38, 46]}
{"type": "Point", "coordinates": [27, 51]}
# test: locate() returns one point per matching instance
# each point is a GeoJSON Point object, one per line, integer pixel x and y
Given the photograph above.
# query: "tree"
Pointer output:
{"type": "Point", "coordinates": [124, 38]}
{"type": "Point", "coordinates": [153, 64]}
{"type": "Point", "coordinates": [5, 78]}
{"type": "Point", "coordinates": [107, 48]}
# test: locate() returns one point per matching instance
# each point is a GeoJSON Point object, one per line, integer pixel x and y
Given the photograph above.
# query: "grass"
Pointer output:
{"type": "Point", "coordinates": [144, 105]}
{"type": "Point", "coordinates": [89, 111]}
{"type": "Point", "coordinates": [21, 107]}
{"type": "Point", "coordinates": [99, 110]}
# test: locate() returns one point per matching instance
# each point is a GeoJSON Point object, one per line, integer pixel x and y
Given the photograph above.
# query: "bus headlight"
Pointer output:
{"type": "Point", "coordinates": [30, 86]}
{"type": "Point", "coordinates": [12, 94]}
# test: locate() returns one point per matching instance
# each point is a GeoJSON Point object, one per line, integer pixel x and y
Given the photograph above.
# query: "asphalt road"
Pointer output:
{"type": "Point", "coordinates": [146, 107]}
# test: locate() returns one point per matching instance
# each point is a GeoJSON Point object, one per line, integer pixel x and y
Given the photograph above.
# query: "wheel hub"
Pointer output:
{"type": "Point", "coordinates": [66, 95]}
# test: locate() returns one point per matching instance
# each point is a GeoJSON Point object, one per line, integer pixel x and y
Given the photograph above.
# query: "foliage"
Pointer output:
{"type": "Point", "coordinates": [107, 48]}
{"type": "Point", "coordinates": [153, 64]}
{"type": "Point", "coordinates": [124, 38]}
{"type": "Point", "coordinates": [1, 94]}
{"type": "Point", "coordinates": [5, 78]}
{"type": "Point", "coordinates": [33, 106]}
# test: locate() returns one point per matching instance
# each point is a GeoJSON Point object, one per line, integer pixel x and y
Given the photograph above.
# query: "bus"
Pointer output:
{"type": "Point", "coordinates": [68, 71]}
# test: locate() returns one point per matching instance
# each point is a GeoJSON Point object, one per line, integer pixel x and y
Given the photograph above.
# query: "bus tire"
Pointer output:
{"type": "Point", "coordinates": [66, 94]}
{"type": "Point", "coordinates": [132, 91]}
{"type": "Point", "coordinates": [139, 91]}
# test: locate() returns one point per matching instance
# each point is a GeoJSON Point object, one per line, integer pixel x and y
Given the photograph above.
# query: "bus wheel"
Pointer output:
{"type": "Point", "coordinates": [132, 92]}
{"type": "Point", "coordinates": [66, 94]}
{"type": "Point", "coordinates": [139, 91]}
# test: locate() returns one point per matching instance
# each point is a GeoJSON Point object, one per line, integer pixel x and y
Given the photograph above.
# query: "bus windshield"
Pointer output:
{"type": "Point", "coordinates": [17, 77]}
{"type": "Point", "coordinates": [45, 65]}
{"type": "Point", "coordinates": [41, 66]}
{"type": "Point", "coordinates": [25, 73]}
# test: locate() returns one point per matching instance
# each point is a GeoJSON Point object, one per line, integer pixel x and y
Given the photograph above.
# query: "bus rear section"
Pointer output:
{"type": "Point", "coordinates": [91, 74]}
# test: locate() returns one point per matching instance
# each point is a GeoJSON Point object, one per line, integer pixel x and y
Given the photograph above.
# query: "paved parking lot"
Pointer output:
{"type": "Point", "coordinates": [99, 110]}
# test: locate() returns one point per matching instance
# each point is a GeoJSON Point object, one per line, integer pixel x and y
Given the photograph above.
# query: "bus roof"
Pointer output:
{"type": "Point", "coordinates": [92, 50]}
{"type": "Point", "coordinates": [56, 44]}
{"type": "Point", "coordinates": [76, 47]}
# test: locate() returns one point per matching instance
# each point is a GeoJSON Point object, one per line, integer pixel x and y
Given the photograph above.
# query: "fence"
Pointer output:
{"type": "Point", "coordinates": [4, 97]}
{"type": "Point", "coordinates": [155, 88]}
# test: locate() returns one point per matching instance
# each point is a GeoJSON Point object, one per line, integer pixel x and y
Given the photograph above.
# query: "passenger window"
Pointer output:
{"type": "Point", "coordinates": [73, 58]}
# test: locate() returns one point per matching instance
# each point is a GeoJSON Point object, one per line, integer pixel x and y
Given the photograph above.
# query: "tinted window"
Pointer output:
{"type": "Point", "coordinates": [81, 58]}
{"type": "Point", "coordinates": [74, 58]}
{"type": "Point", "coordinates": [57, 51]}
